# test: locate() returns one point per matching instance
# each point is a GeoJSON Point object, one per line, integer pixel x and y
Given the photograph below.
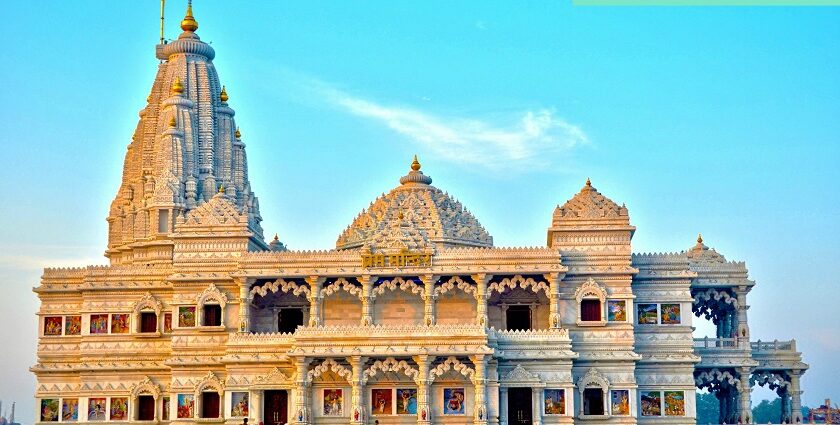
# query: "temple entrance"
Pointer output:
{"type": "Point", "coordinates": [275, 407]}
{"type": "Point", "coordinates": [519, 406]}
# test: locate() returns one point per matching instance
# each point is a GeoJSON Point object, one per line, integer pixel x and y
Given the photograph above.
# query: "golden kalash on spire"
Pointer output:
{"type": "Point", "coordinates": [189, 23]}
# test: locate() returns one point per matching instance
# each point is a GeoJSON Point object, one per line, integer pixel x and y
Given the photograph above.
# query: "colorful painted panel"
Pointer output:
{"type": "Point", "coordinates": [670, 314]}
{"type": "Point", "coordinates": [453, 401]}
{"type": "Point", "coordinates": [333, 402]}
{"type": "Point", "coordinates": [70, 409]}
{"type": "Point", "coordinates": [98, 324]}
{"type": "Point", "coordinates": [620, 400]}
{"type": "Point", "coordinates": [96, 407]}
{"type": "Point", "coordinates": [165, 414]}
{"type": "Point", "coordinates": [119, 324]}
{"type": "Point", "coordinates": [119, 408]}
{"type": "Point", "coordinates": [167, 322]}
{"type": "Point", "coordinates": [49, 409]}
{"type": "Point", "coordinates": [406, 401]}
{"type": "Point", "coordinates": [651, 403]}
{"type": "Point", "coordinates": [52, 325]}
{"type": "Point", "coordinates": [674, 403]}
{"type": "Point", "coordinates": [186, 317]}
{"type": "Point", "coordinates": [554, 402]}
{"type": "Point", "coordinates": [186, 404]}
{"type": "Point", "coordinates": [646, 314]}
{"type": "Point", "coordinates": [616, 311]}
{"type": "Point", "coordinates": [239, 404]}
{"type": "Point", "coordinates": [72, 325]}
{"type": "Point", "coordinates": [381, 401]}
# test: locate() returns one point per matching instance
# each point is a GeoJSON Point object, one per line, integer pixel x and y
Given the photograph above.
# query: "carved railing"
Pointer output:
{"type": "Point", "coordinates": [774, 345]}
{"type": "Point", "coordinates": [715, 342]}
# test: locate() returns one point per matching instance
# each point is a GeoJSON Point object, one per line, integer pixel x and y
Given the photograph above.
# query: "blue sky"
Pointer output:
{"type": "Point", "coordinates": [715, 120]}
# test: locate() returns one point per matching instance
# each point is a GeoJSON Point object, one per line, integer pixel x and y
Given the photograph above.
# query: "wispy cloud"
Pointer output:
{"type": "Point", "coordinates": [535, 138]}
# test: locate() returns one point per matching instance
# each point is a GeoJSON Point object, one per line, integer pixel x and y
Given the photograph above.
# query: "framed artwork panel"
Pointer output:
{"type": "Point", "coordinates": [651, 403]}
{"type": "Point", "coordinates": [239, 404]}
{"type": "Point", "coordinates": [186, 317]}
{"type": "Point", "coordinates": [454, 400]}
{"type": "Point", "coordinates": [69, 409]}
{"type": "Point", "coordinates": [98, 324]}
{"type": "Point", "coordinates": [72, 325]}
{"type": "Point", "coordinates": [333, 402]}
{"type": "Point", "coordinates": [119, 323]}
{"type": "Point", "coordinates": [52, 327]}
{"type": "Point", "coordinates": [670, 314]}
{"type": "Point", "coordinates": [406, 401]}
{"type": "Point", "coordinates": [381, 401]}
{"type": "Point", "coordinates": [616, 310]}
{"type": "Point", "coordinates": [186, 405]}
{"type": "Point", "coordinates": [646, 314]}
{"type": "Point", "coordinates": [620, 401]}
{"type": "Point", "coordinates": [49, 410]}
{"type": "Point", "coordinates": [97, 409]}
{"type": "Point", "coordinates": [119, 408]}
{"type": "Point", "coordinates": [674, 403]}
{"type": "Point", "coordinates": [554, 401]}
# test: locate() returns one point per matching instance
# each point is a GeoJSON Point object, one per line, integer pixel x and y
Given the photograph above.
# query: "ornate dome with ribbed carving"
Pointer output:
{"type": "Point", "coordinates": [417, 216]}
{"type": "Point", "coordinates": [589, 204]}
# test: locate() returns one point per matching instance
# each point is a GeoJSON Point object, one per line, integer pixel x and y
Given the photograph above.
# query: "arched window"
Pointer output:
{"type": "Point", "coordinates": [146, 312]}
{"type": "Point", "coordinates": [209, 393]}
{"type": "Point", "coordinates": [144, 395]}
{"type": "Point", "coordinates": [211, 309]}
{"type": "Point", "coordinates": [591, 298]}
{"type": "Point", "coordinates": [593, 388]}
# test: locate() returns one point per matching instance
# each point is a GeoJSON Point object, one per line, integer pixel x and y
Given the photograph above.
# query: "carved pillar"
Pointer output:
{"type": "Point", "coordinates": [429, 299]}
{"type": "Point", "coordinates": [480, 389]}
{"type": "Point", "coordinates": [744, 405]}
{"type": "Point", "coordinates": [244, 306]}
{"type": "Point", "coordinates": [503, 405]}
{"type": "Point", "coordinates": [256, 407]}
{"type": "Point", "coordinates": [367, 300]}
{"type": "Point", "coordinates": [536, 405]}
{"type": "Point", "coordinates": [315, 299]}
{"type": "Point", "coordinates": [357, 391]}
{"type": "Point", "coordinates": [424, 410]}
{"type": "Point", "coordinates": [554, 300]}
{"type": "Point", "coordinates": [742, 327]}
{"type": "Point", "coordinates": [795, 394]}
{"type": "Point", "coordinates": [481, 281]}
{"type": "Point", "coordinates": [302, 411]}
{"type": "Point", "coordinates": [785, 417]}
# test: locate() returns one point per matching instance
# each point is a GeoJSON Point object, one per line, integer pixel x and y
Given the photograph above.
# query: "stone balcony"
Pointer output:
{"type": "Point", "coordinates": [731, 352]}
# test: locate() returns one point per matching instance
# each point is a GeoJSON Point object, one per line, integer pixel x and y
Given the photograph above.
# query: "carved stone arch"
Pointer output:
{"type": "Point", "coordinates": [148, 301]}
{"type": "Point", "coordinates": [520, 377]}
{"type": "Point", "coordinates": [212, 293]}
{"type": "Point", "coordinates": [280, 285]}
{"type": "Point", "coordinates": [398, 283]}
{"type": "Point", "coordinates": [341, 284]}
{"type": "Point", "coordinates": [211, 382]}
{"type": "Point", "coordinates": [145, 387]}
{"type": "Point", "coordinates": [330, 365]}
{"type": "Point", "coordinates": [774, 380]}
{"type": "Point", "coordinates": [390, 364]}
{"type": "Point", "coordinates": [455, 282]}
{"type": "Point", "coordinates": [275, 377]}
{"type": "Point", "coordinates": [590, 289]}
{"type": "Point", "coordinates": [451, 363]}
{"type": "Point", "coordinates": [520, 281]}
{"type": "Point", "coordinates": [707, 378]}
{"type": "Point", "coordinates": [593, 378]}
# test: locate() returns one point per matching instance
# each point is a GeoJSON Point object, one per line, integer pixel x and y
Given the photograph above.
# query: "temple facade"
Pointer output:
{"type": "Point", "coordinates": [414, 317]}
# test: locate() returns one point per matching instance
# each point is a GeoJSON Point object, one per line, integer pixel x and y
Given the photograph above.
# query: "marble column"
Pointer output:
{"type": "Point", "coordinates": [244, 306]}
{"type": "Point", "coordinates": [481, 281]}
{"type": "Point", "coordinates": [744, 405]}
{"type": "Point", "coordinates": [367, 300]}
{"type": "Point", "coordinates": [536, 409]}
{"type": "Point", "coordinates": [429, 299]}
{"type": "Point", "coordinates": [795, 397]}
{"type": "Point", "coordinates": [554, 321]}
{"type": "Point", "coordinates": [315, 298]}
{"type": "Point", "coordinates": [302, 411]}
{"type": "Point", "coordinates": [742, 327]}
{"type": "Point", "coordinates": [480, 389]}
{"type": "Point", "coordinates": [256, 407]}
{"type": "Point", "coordinates": [503, 405]}
{"type": "Point", "coordinates": [357, 391]}
{"type": "Point", "coordinates": [424, 409]}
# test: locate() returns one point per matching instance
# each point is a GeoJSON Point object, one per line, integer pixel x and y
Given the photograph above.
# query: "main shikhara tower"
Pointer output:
{"type": "Point", "coordinates": [414, 317]}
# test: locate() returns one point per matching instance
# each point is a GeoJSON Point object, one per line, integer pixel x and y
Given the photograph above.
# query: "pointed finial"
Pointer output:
{"type": "Point", "coordinates": [415, 165]}
{"type": "Point", "coordinates": [223, 95]}
{"type": "Point", "coordinates": [221, 189]}
{"type": "Point", "coordinates": [699, 238]}
{"type": "Point", "coordinates": [172, 122]}
{"type": "Point", "coordinates": [177, 87]}
{"type": "Point", "coordinates": [189, 23]}
{"type": "Point", "coordinates": [237, 133]}
{"type": "Point", "coordinates": [276, 238]}
{"type": "Point", "coordinates": [588, 183]}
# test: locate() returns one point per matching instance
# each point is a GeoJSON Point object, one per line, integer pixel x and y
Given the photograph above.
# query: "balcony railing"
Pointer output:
{"type": "Point", "coordinates": [715, 342]}
{"type": "Point", "coordinates": [774, 345]}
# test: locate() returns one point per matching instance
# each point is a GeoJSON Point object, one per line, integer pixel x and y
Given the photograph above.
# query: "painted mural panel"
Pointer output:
{"type": "Point", "coordinates": [646, 314]}
{"type": "Point", "coordinates": [119, 324]}
{"type": "Point", "coordinates": [670, 314]}
{"type": "Point", "coordinates": [73, 325]}
{"type": "Point", "coordinates": [167, 322]}
{"type": "Point", "coordinates": [554, 401]}
{"type": "Point", "coordinates": [333, 402]}
{"type": "Point", "coordinates": [239, 404]}
{"type": "Point", "coordinates": [186, 317]}
{"type": "Point", "coordinates": [70, 410]}
{"type": "Point", "coordinates": [620, 400]}
{"type": "Point", "coordinates": [674, 403]}
{"type": "Point", "coordinates": [119, 408]}
{"type": "Point", "coordinates": [98, 324]}
{"type": "Point", "coordinates": [381, 401]}
{"type": "Point", "coordinates": [186, 405]}
{"type": "Point", "coordinates": [651, 403]}
{"type": "Point", "coordinates": [49, 409]}
{"type": "Point", "coordinates": [97, 409]}
{"type": "Point", "coordinates": [453, 401]}
{"type": "Point", "coordinates": [406, 401]}
{"type": "Point", "coordinates": [52, 325]}
{"type": "Point", "coordinates": [616, 311]}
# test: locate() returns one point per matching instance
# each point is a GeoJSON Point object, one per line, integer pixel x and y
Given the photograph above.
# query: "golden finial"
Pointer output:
{"type": "Point", "coordinates": [221, 188]}
{"type": "Point", "coordinates": [189, 23]}
{"type": "Point", "coordinates": [415, 165]}
{"type": "Point", "coordinates": [588, 183]}
{"type": "Point", "coordinates": [172, 121]}
{"type": "Point", "coordinates": [223, 95]}
{"type": "Point", "coordinates": [177, 87]}
{"type": "Point", "coordinates": [237, 133]}
{"type": "Point", "coordinates": [276, 238]}
{"type": "Point", "coordinates": [699, 238]}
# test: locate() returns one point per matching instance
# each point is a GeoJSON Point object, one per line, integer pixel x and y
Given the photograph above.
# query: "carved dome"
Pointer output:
{"type": "Point", "coordinates": [589, 204]}
{"type": "Point", "coordinates": [415, 216]}
{"type": "Point", "coordinates": [702, 254]}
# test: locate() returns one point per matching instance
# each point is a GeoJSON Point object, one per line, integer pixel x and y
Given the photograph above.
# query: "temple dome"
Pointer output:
{"type": "Point", "coordinates": [702, 254]}
{"type": "Point", "coordinates": [589, 204]}
{"type": "Point", "coordinates": [415, 216]}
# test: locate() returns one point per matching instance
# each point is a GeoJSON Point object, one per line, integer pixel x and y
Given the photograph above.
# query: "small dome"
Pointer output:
{"type": "Point", "coordinates": [589, 204]}
{"type": "Point", "coordinates": [414, 215]}
{"type": "Point", "coordinates": [700, 253]}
